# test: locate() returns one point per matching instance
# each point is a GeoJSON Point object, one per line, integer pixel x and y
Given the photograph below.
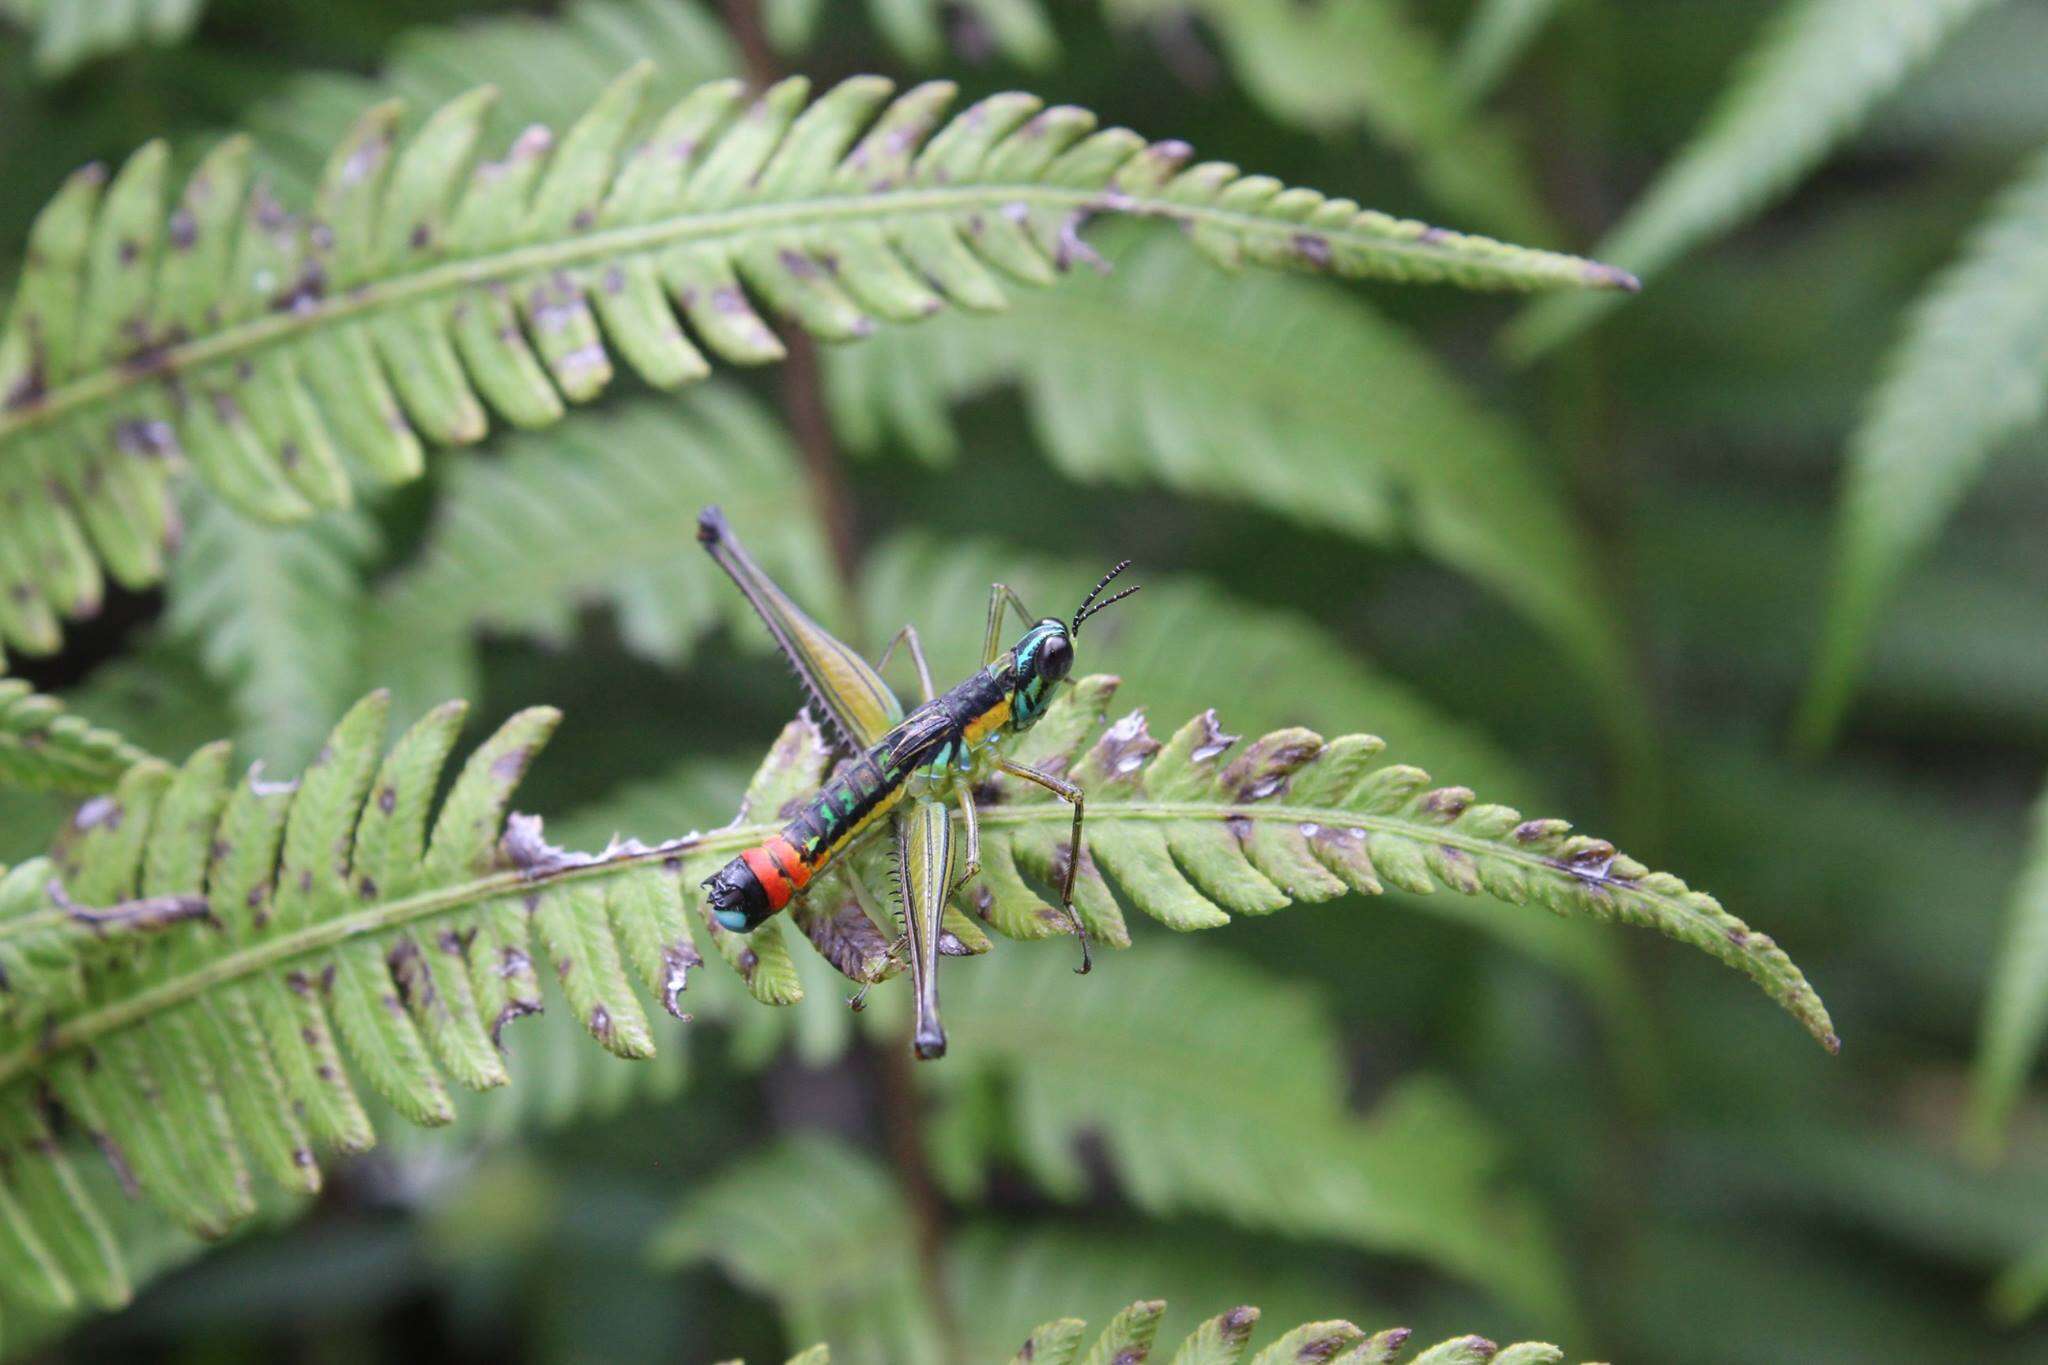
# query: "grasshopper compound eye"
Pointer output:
{"type": "Point", "coordinates": [1055, 657]}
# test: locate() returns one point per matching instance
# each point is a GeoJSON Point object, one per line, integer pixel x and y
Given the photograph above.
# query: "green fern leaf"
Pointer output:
{"type": "Point", "coordinates": [260, 346]}
{"type": "Point", "coordinates": [2019, 1292]}
{"type": "Point", "coordinates": [1196, 829]}
{"type": "Point", "coordinates": [70, 33]}
{"type": "Point", "coordinates": [43, 747]}
{"type": "Point", "coordinates": [2016, 1009]}
{"type": "Point", "coordinates": [276, 616]}
{"type": "Point", "coordinates": [1971, 370]}
{"type": "Point", "coordinates": [522, 543]}
{"type": "Point", "coordinates": [1132, 376]}
{"type": "Point", "coordinates": [186, 970]}
{"type": "Point", "coordinates": [1808, 84]}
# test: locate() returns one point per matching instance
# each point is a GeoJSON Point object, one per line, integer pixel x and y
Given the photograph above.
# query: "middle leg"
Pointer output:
{"type": "Point", "coordinates": [1075, 797]}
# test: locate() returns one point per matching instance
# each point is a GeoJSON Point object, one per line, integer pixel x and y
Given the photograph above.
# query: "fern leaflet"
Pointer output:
{"type": "Point", "coordinates": [43, 747]}
{"type": "Point", "coordinates": [1971, 370]}
{"type": "Point", "coordinates": [1808, 84]}
{"type": "Point", "coordinates": [260, 345]}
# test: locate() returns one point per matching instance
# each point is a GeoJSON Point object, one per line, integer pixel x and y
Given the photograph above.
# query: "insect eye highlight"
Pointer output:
{"type": "Point", "coordinates": [1055, 657]}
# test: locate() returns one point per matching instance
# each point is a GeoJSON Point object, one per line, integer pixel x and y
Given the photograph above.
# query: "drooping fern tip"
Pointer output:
{"type": "Point", "coordinates": [427, 287]}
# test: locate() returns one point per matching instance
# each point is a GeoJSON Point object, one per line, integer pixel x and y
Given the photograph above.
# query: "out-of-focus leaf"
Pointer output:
{"type": "Point", "coordinates": [1808, 84]}
{"type": "Point", "coordinates": [599, 513]}
{"type": "Point", "coordinates": [547, 70]}
{"type": "Point", "coordinates": [2016, 1009]}
{"type": "Point", "coordinates": [1265, 1140]}
{"type": "Point", "coordinates": [931, 33]}
{"type": "Point", "coordinates": [1971, 371]}
{"type": "Point", "coordinates": [44, 747]}
{"type": "Point", "coordinates": [275, 615]}
{"type": "Point", "coordinates": [70, 33]}
{"type": "Point", "coordinates": [823, 1231]}
{"type": "Point", "coordinates": [1496, 35]}
{"type": "Point", "coordinates": [1255, 390]}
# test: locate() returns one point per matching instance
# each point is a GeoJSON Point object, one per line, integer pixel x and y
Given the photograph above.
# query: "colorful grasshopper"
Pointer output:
{"type": "Point", "coordinates": [906, 768]}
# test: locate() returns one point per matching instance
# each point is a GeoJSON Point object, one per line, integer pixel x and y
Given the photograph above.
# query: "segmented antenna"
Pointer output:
{"type": "Point", "coordinates": [1090, 606]}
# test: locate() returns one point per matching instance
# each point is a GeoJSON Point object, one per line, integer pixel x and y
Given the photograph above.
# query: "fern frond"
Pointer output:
{"type": "Point", "coordinates": [1496, 35]}
{"type": "Point", "coordinates": [1249, 390]}
{"type": "Point", "coordinates": [521, 543]}
{"type": "Point", "coordinates": [1807, 84]}
{"type": "Point", "coordinates": [261, 346]}
{"type": "Point", "coordinates": [846, 1267]}
{"type": "Point", "coordinates": [275, 615]}
{"type": "Point", "coordinates": [1197, 828]}
{"type": "Point", "coordinates": [43, 747]}
{"type": "Point", "coordinates": [1970, 371]}
{"type": "Point", "coordinates": [70, 33]}
{"type": "Point", "coordinates": [184, 973]}
{"type": "Point", "coordinates": [2016, 1008]}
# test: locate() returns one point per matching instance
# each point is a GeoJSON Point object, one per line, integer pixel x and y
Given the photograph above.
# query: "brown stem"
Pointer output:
{"type": "Point", "coordinates": [803, 398]}
{"type": "Point", "coordinates": [803, 404]}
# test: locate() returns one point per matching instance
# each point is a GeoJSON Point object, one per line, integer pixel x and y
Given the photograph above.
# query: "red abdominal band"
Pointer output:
{"type": "Point", "coordinates": [779, 870]}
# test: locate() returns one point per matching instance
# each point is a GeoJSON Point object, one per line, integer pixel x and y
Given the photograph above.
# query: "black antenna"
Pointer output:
{"type": "Point", "coordinates": [1090, 606]}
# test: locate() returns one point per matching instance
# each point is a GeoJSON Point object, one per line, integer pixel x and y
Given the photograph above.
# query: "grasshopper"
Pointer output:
{"type": "Point", "coordinates": [903, 771]}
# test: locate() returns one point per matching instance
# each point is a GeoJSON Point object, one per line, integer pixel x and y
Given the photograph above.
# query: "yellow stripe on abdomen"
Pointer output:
{"type": "Point", "coordinates": [988, 721]}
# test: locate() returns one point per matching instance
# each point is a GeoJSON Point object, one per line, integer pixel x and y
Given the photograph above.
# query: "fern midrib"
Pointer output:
{"type": "Point", "coordinates": [275, 952]}
{"type": "Point", "coordinates": [274, 328]}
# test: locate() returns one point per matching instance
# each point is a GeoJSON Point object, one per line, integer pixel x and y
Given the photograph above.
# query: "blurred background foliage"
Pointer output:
{"type": "Point", "coordinates": [1726, 571]}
